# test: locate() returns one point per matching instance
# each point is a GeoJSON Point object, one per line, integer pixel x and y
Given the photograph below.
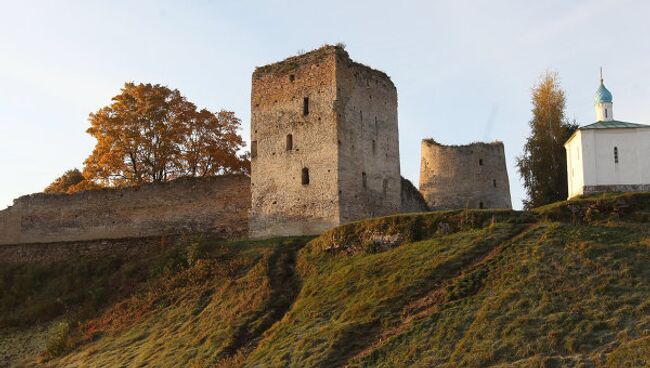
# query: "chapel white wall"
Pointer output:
{"type": "Point", "coordinates": [590, 158]}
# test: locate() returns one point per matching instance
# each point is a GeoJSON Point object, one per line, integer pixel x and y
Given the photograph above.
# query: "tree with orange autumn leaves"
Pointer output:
{"type": "Point", "coordinates": [151, 133]}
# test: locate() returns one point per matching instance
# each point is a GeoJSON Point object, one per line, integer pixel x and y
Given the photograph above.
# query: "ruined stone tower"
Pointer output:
{"type": "Point", "coordinates": [469, 176]}
{"type": "Point", "coordinates": [324, 144]}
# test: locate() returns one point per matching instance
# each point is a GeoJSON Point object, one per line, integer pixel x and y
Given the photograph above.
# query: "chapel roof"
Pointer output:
{"type": "Point", "coordinates": [602, 94]}
{"type": "Point", "coordinates": [613, 124]}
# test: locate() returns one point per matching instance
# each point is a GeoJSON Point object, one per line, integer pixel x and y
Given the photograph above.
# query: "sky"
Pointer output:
{"type": "Point", "coordinates": [463, 69]}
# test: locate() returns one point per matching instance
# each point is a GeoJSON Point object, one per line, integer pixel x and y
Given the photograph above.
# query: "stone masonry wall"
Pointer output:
{"type": "Point", "coordinates": [596, 189]}
{"type": "Point", "coordinates": [470, 176]}
{"type": "Point", "coordinates": [340, 118]}
{"type": "Point", "coordinates": [217, 205]}
{"type": "Point", "coordinates": [368, 141]}
{"type": "Point", "coordinates": [45, 253]}
{"type": "Point", "coordinates": [294, 97]}
{"type": "Point", "coordinates": [412, 200]}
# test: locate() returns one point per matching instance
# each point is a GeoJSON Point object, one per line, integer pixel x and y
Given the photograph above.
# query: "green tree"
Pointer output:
{"type": "Point", "coordinates": [151, 133]}
{"type": "Point", "coordinates": [543, 162]}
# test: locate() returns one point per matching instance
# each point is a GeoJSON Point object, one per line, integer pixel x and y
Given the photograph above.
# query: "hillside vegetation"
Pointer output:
{"type": "Point", "coordinates": [567, 285]}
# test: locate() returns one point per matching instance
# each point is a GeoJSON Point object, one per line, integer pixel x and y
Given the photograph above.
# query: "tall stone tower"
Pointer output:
{"type": "Point", "coordinates": [469, 176]}
{"type": "Point", "coordinates": [324, 144]}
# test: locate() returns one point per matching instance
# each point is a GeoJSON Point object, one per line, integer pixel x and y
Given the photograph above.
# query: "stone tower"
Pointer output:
{"type": "Point", "coordinates": [324, 144]}
{"type": "Point", "coordinates": [469, 176]}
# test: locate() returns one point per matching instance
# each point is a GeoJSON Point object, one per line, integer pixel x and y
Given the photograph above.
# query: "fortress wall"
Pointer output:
{"type": "Point", "coordinates": [469, 176]}
{"type": "Point", "coordinates": [45, 253]}
{"type": "Point", "coordinates": [412, 200]}
{"type": "Point", "coordinates": [217, 205]}
{"type": "Point", "coordinates": [369, 168]}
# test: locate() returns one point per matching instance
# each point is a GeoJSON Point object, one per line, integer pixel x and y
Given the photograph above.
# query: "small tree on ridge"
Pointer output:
{"type": "Point", "coordinates": [542, 165]}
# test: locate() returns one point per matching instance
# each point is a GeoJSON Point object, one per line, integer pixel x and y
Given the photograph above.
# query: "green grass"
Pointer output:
{"type": "Point", "coordinates": [550, 295]}
{"type": "Point", "coordinates": [564, 285]}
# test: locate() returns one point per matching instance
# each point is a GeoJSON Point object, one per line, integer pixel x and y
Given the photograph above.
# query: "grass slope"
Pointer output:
{"type": "Point", "coordinates": [565, 285]}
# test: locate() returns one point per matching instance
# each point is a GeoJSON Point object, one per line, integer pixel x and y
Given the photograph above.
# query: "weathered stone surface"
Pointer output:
{"type": "Point", "coordinates": [44, 253]}
{"type": "Point", "coordinates": [217, 205]}
{"type": "Point", "coordinates": [342, 118]}
{"type": "Point", "coordinates": [595, 189]}
{"type": "Point", "coordinates": [412, 200]}
{"type": "Point", "coordinates": [469, 176]}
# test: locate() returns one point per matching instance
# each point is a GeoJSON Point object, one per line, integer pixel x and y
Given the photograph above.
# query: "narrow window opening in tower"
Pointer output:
{"type": "Point", "coordinates": [374, 146]}
{"type": "Point", "coordinates": [364, 179]}
{"type": "Point", "coordinates": [361, 115]}
{"type": "Point", "coordinates": [615, 155]}
{"type": "Point", "coordinates": [292, 78]}
{"type": "Point", "coordinates": [305, 106]}
{"type": "Point", "coordinates": [384, 187]}
{"type": "Point", "coordinates": [480, 162]}
{"type": "Point", "coordinates": [289, 142]}
{"type": "Point", "coordinates": [605, 113]}
{"type": "Point", "coordinates": [480, 205]}
{"type": "Point", "coordinates": [494, 183]}
{"type": "Point", "coordinates": [305, 176]}
{"type": "Point", "coordinates": [253, 149]}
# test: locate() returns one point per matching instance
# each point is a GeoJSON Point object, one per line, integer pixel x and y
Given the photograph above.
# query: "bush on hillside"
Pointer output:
{"type": "Point", "coordinates": [58, 341]}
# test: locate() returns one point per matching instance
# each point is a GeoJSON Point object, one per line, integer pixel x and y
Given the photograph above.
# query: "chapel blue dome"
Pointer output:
{"type": "Point", "coordinates": [602, 95]}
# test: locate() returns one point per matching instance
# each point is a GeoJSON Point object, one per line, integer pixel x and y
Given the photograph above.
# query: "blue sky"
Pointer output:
{"type": "Point", "coordinates": [463, 69]}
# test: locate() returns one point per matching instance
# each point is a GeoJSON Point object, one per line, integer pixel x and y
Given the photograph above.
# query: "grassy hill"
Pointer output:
{"type": "Point", "coordinates": [564, 285]}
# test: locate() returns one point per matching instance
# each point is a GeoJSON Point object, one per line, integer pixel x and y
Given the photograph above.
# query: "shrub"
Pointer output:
{"type": "Point", "coordinates": [57, 339]}
{"type": "Point", "coordinates": [195, 249]}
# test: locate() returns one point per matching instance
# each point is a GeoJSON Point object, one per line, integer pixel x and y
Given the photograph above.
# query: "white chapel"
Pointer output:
{"type": "Point", "coordinates": [608, 155]}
